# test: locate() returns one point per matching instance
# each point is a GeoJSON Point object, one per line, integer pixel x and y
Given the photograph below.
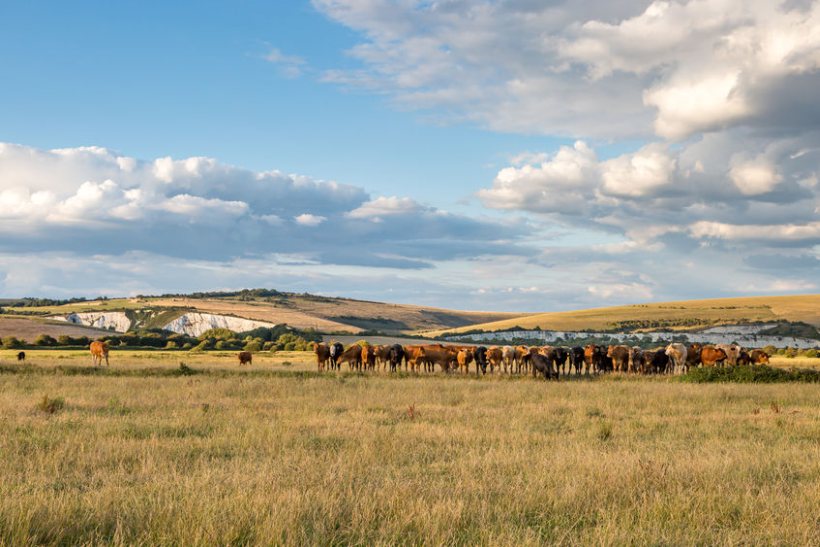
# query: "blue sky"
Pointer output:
{"type": "Point", "coordinates": [482, 155]}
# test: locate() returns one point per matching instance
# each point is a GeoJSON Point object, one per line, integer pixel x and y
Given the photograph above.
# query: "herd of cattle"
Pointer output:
{"type": "Point", "coordinates": [549, 361]}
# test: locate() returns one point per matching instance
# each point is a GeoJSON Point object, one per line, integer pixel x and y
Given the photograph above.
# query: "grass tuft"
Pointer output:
{"type": "Point", "coordinates": [51, 406]}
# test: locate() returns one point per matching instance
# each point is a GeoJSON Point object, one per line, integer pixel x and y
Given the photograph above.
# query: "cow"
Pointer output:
{"type": "Point", "coordinates": [604, 360]}
{"type": "Point", "coordinates": [21, 356]}
{"type": "Point", "coordinates": [559, 356]}
{"type": "Point", "coordinates": [382, 356]}
{"type": "Point", "coordinates": [495, 357]}
{"type": "Point", "coordinates": [541, 364]}
{"type": "Point", "coordinates": [744, 359]}
{"type": "Point", "coordinates": [693, 355]}
{"type": "Point", "coordinates": [522, 358]}
{"type": "Point", "coordinates": [395, 355]}
{"type": "Point", "coordinates": [677, 357]}
{"type": "Point", "coordinates": [657, 359]}
{"type": "Point", "coordinates": [711, 356]}
{"type": "Point", "coordinates": [99, 351]}
{"type": "Point", "coordinates": [414, 356]}
{"type": "Point", "coordinates": [576, 359]}
{"type": "Point", "coordinates": [732, 352]}
{"type": "Point", "coordinates": [336, 350]}
{"type": "Point", "coordinates": [322, 355]}
{"type": "Point", "coordinates": [245, 357]}
{"type": "Point", "coordinates": [480, 357]}
{"type": "Point", "coordinates": [464, 357]}
{"type": "Point", "coordinates": [619, 356]}
{"type": "Point", "coordinates": [443, 356]}
{"type": "Point", "coordinates": [637, 361]}
{"type": "Point", "coordinates": [591, 358]}
{"type": "Point", "coordinates": [352, 356]}
{"type": "Point", "coordinates": [369, 357]}
{"type": "Point", "coordinates": [759, 357]}
{"type": "Point", "coordinates": [507, 358]}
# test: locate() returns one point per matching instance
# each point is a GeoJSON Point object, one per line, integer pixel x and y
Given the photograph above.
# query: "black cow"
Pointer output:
{"type": "Point", "coordinates": [336, 350]}
{"type": "Point", "coordinates": [659, 361]}
{"type": "Point", "coordinates": [559, 355]}
{"type": "Point", "coordinates": [480, 357]}
{"type": "Point", "coordinates": [21, 356]}
{"type": "Point", "coordinates": [541, 365]}
{"type": "Point", "coordinates": [395, 355]}
{"type": "Point", "coordinates": [576, 359]}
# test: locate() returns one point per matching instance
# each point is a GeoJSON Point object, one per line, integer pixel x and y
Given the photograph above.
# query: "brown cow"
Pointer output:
{"type": "Point", "coordinates": [693, 355]}
{"type": "Point", "coordinates": [414, 356]}
{"type": "Point", "coordinates": [444, 356]}
{"type": "Point", "coordinates": [732, 352]}
{"type": "Point", "coordinates": [369, 357]}
{"type": "Point", "coordinates": [522, 359]}
{"type": "Point", "coordinates": [759, 357]}
{"type": "Point", "coordinates": [245, 357]}
{"type": "Point", "coordinates": [382, 356]}
{"type": "Point", "coordinates": [591, 358]}
{"type": "Point", "coordinates": [711, 356]}
{"type": "Point", "coordinates": [464, 357]}
{"type": "Point", "coordinates": [322, 352]}
{"type": "Point", "coordinates": [637, 361]}
{"type": "Point", "coordinates": [352, 356]}
{"type": "Point", "coordinates": [99, 351]}
{"type": "Point", "coordinates": [619, 356]}
{"type": "Point", "coordinates": [507, 358]}
{"type": "Point", "coordinates": [495, 357]}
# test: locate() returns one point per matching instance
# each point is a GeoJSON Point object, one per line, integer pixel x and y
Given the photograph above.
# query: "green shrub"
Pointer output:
{"type": "Point", "coordinates": [45, 340]}
{"type": "Point", "coordinates": [253, 346]}
{"type": "Point", "coordinates": [812, 353]}
{"type": "Point", "coordinates": [11, 342]}
{"type": "Point", "coordinates": [750, 375]}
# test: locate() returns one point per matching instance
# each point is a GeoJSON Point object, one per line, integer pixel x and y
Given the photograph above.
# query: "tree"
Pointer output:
{"type": "Point", "coordinates": [11, 342]}
{"type": "Point", "coordinates": [45, 340]}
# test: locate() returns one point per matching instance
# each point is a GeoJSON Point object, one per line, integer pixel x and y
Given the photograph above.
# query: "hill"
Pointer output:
{"type": "Point", "coordinates": [687, 314]}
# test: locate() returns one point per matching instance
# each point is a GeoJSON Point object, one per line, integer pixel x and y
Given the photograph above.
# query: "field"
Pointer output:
{"type": "Point", "coordinates": [683, 314]}
{"type": "Point", "coordinates": [149, 452]}
{"type": "Point", "coordinates": [28, 328]}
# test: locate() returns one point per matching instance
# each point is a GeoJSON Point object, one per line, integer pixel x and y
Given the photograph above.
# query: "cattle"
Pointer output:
{"type": "Point", "coordinates": [443, 356]}
{"type": "Point", "coordinates": [711, 356]}
{"type": "Point", "coordinates": [693, 355]}
{"type": "Point", "coordinates": [382, 356]}
{"type": "Point", "coordinates": [541, 364]}
{"type": "Point", "coordinates": [619, 356]}
{"type": "Point", "coordinates": [604, 360]}
{"type": "Point", "coordinates": [99, 351]}
{"type": "Point", "coordinates": [744, 359]}
{"type": "Point", "coordinates": [759, 357]}
{"type": "Point", "coordinates": [591, 358]}
{"type": "Point", "coordinates": [637, 361]}
{"type": "Point", "coordinates": [677, 357]}
{"type": "Point", "coordinates": [576, 359]}
{"type": "Point", "coordinates": [395, 355]}
{"type": "Point", "coordinates": [369, 357]}
{"type": "Point", "coordinates": [559, 357]}
{"type": "Point", "coordinates": [336, 350]}
{"type": "Point", "coordinates": [245, 357]}
{"type": "Point", "coordinates": [21, 356]}
{"type": "Point", "coordinates": [464, 357]}
{"type": "Point", "coordinates": [480, 358]}
{"type": "Point", "coordinates": [507, 358]}
{"type": "Point", "coordinates": [352, 356]}
{"type": "Point", "coordinates": [655, 360]}
{"type": "Point", "coordinates": [495, 357]}
{"type": "Point", "coordinates": [414, 356]}
{"type": "Point", "coordinates": [732, 352]}
{"type": "Point", "coordinates": [522, 358]}
{"type": "Point", "coordinates": [322, 355]}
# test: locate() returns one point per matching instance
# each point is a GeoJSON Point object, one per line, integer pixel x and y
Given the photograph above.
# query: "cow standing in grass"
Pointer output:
{"type": "Point", "coordinates": [322, 355]}
{"type": "Point", "coordinates": [352, 356]}
{"type": "Point", "coordinates": [245, 358]}
{"type": "Point", "coordinates": [21, 356]}
{"type": "Point", "coordinates": [576, 359]}
{"type": "Point", "coordinates": [711, 356]}
{"type": "Point", "coordinates": [395, 355]}
{"type": "Point", "coordinates": [619, 356]}
{"type": "Point", "coordinates": [336, 349]}
{"type": "Point", "coordinates": [759, 357]}
{"type": "Point", "coordinates": [464, 357]}
{"type": "Point", "coordinates": [99, 351]}
{"type": "Point", "coordinates": [677, 357]}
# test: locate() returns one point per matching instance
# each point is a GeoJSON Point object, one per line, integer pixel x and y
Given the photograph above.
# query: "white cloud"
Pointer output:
{"type": "Point", "coordinates": [290, 65]}
{"type": "Point", "coordinates": [781, 232]}
{"type": "Point", "coordinates": [306, 219]}
{"type": "Point", "coordinates": [638, 174]}
{"type": "Point", "coordinates": [754, 177]}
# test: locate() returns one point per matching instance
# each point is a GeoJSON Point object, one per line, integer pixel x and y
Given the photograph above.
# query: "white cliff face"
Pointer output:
{"type": "Point", "coordinates": [195, 323]}
{"type": "Point", "coordinates": [109, 320]}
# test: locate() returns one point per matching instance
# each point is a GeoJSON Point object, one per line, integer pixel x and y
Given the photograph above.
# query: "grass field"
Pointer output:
{"type": "Point", "coordinates": [683, 314]}
{"type": "Point", "coordinates": [274, 453]}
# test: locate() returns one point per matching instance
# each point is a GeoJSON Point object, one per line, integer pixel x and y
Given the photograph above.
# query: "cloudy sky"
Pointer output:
{"type": "Point", "coordinates": [518, 155]}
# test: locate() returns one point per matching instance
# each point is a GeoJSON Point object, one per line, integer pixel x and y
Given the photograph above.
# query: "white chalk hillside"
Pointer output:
{"type": "Point", "coordinates": [110, 320]}
{"type": "Point", "coordinates": [195, 323]}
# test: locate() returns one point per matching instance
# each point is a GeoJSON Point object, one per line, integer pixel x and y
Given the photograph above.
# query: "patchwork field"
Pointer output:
{"type": "Point", "coordinates": [151, 452]}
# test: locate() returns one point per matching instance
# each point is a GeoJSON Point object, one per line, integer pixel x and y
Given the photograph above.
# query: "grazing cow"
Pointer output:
{"type": "Point", "coordinates": [382, 356]}
{"type": "Point", "coordinates": [677, 357]}
{"type": "Point", "coordinates": [480, 357]}
{"type": "Point", "coordinates": [464, 357]}
{"type": "Point", "coordinates": [732, 352]}
{"type": "Point", "coordinates": [99, 351]}
{"type": "Point", "coordinates": [522, 358]}
{"type": "Point", "coordinates": [619, 356]}
{"type": "Point", "coordinates": [559, 357]}
{"type": "Point", "coordinates": [443, 356]}
{"type": "Point", "coordinates": [576, 359]}
{"type": "Point", "coordinates": [352, 356]}
{"type": "Point", "coordinates": [541, 364]}
{"type": "Point", "coordinates": [759, 357]}
{"type": "Point", "coordinates": [711, 356]}
{"type": "Point", "coordinates": [245, 357]}
{"type": "Point", "coordinates": [507, 357]}
{"type": "Point", "coordinates": [660, 361]}
{"type": "Point", "coordinates": [693, 355]}
{"type": "Point", "coordinates": [322, 355]}
{"type": "Point", "coordinates": [495, 357]}
{"type": "Point", "coordinates": [369, 357]}
{"type": "Point", "coordinates": [395, 355]}
{"type": "Point", "coordinates": [414, 356]}
{"type": "Point", "coordinates": [21, 356]}
{"type": "Point", "coordinates": [336, 350]}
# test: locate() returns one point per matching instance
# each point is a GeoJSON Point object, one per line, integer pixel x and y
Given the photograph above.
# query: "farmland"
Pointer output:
{"type": "Point", "coordinates": [150, 452]}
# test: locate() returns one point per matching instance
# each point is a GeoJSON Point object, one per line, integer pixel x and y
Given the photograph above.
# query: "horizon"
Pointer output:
{"type": "Point", "coordinates": [489, 156]}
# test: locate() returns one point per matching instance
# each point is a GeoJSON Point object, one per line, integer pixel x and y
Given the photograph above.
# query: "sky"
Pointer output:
{"type": "Point", "coordinates": [514, 155]}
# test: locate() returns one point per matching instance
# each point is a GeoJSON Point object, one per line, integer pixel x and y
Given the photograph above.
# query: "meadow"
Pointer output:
{"type": "Point", "coordinates": [150, 452]}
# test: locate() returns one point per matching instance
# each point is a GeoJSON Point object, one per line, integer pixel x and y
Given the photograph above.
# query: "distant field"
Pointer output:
{"type": "Point", "coordinates": [683, 314]}
{"type": "Point", "coordinates": [273, 454]}
{"type": "Point", "coordinates": [28, 329]}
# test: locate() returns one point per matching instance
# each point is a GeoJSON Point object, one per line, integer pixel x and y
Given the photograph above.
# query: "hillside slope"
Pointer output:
{"type": "Point", "coordinates": [689, 314]}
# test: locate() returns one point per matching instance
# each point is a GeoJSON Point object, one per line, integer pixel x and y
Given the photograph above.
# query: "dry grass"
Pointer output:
{"type": "Point", "coordinates": [242, 456]}
{"type": "Point", "coordinates": [804, 308]}
{"type": "Point", "coordinates": [29, 328]}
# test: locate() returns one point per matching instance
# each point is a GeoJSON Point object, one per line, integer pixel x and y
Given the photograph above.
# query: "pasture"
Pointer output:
{"type": "Point", "coordinates": [148, 452]}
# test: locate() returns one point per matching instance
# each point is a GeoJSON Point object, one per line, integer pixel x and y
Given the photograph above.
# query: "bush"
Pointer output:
{"type": "Point", "coordinates": [253, 346]}
{"type": "Point", "coordinates": [758, 374]}
{"type": "Point", "coordinates": [219, 334]}
{"type": "Point", "coordinates": [171, 345]}
{"type": "Point", "coordinates": [11, 342]}
{"type": "Point", "coordinates": [45, 340]}
{"type": "Point", "coordinates": [810, 353]}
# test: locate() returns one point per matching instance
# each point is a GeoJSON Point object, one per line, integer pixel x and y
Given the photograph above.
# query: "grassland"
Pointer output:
{"type": "Point", "coordinates": [29, 328]}
{"type": "Point", "coordinates": [275, 453]}
{"type": "Point", "coordinates": [683, 314]}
